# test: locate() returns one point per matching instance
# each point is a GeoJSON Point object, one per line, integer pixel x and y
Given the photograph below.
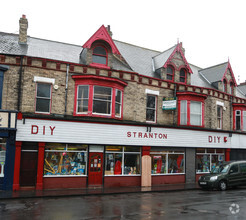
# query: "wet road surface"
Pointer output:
{"type": "Point", "coordinates": [195, 204]}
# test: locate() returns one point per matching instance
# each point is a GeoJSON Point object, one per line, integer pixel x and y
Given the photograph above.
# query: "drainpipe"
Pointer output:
{"type": "Point", "coordinates": [19, 83]}
{"type": "Point", "coordinates": [231, 110]}
{"type": "Point", "coordinates": [174, 95]}
{"type": "Point", "coordinates": [67, 72]}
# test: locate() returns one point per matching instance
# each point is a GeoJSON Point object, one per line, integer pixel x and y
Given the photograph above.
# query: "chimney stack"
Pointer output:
{"type": "Point", "coordinates": [23, 25]}
{"type": "Point", "coordinates": [109, 31]}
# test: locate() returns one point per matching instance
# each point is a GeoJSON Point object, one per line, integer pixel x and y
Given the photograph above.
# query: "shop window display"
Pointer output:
{"type": "Point", "coordinates": [207, 159]}
{"type": "Point", "coordinates": [2, 155]}
{"type": "Point", "coordinates": [169, 162]}
{"type": "Point", "coordinates": [122, 160]}
{"type": "Point", "coordinates": [65, 159]}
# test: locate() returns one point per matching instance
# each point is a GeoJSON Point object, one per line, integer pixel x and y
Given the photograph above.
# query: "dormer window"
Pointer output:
{"type": "Point", "coordinates": [225, 85]}
{"type": "Point", "coordinates": [99, 55]}
{"type": "Point", "coordinates": [182, 76]}
{"type": "Point", "coordinates": [170, 73]}
{"type": "Point", "coordinates": [231, 88]}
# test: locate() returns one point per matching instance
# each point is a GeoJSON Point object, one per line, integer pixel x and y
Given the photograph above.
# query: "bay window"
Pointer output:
{"type": "Point", "coordinates": [98, 96]}
{"type": "Point", "coordinates": [83, 98]}
{"type": "Point", "coordinates": [65, 159]}
{"type": "Point", "coordinates": [207, 159]}
{"type": "Point", "coordinates": [191, 109]}
{"type": "Point", "coordinates": [122, 160]}
{"type": "Point", "coordinates": [239, 116]}
{"type": "Point", "coordinates": [102, 99]}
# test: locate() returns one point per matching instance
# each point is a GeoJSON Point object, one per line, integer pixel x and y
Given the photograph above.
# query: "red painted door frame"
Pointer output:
{"type": "Point", "coordinates": [95, 171]}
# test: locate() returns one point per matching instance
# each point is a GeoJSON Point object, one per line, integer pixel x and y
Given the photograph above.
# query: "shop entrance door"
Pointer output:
{"type": "Point", "coordinates": [28, 168]}
{"type": "Point", "coordinates": [95, 168]}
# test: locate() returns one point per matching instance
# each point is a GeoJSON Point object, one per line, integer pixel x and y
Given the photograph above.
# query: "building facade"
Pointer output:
{"type": "Point", "coordinates": [113, 114]}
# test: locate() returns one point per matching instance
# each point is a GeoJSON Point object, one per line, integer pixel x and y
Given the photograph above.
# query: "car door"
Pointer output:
{"type": "Point", "coordinates": [234, 177]}
{"type": "Point", "coordinates": [242, 167]}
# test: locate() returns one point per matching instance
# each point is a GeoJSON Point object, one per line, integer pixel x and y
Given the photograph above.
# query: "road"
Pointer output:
{"type": "Point", "coordinates": [193, 204]}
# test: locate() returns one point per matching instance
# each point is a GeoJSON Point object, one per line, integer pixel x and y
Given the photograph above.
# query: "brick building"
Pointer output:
{"type": "Point", "coordinates": [112, 114]}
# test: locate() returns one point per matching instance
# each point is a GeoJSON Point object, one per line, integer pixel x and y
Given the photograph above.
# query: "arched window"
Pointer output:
{"type": "Point", "coordinates": [170, 73]}
{"type": "Point", "coordinates": [99, 55]}
{"type": "Point", "coordinates": [231, 88]}
{"type": "Point", "coordinates": [225, 85]}
{"type": "Point", "coordinates": [182, 76]}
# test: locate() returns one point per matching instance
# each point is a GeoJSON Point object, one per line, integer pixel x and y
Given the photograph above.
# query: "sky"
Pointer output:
{"type": "Point", "coordinates": [212, 31]}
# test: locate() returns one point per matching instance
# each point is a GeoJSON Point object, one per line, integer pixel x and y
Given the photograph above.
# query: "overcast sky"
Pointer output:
{"type": "Point", "coordinates": [211, 30]}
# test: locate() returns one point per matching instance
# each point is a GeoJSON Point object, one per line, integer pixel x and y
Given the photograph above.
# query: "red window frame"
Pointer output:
{"type": "Point", "coordinates": [242, 108]}
{"type": "Point", "coordinates": [225, 85]}
{"type": "Point", "coordinates": [183, 77]}
{"type": "Point", "coordinates": [170, 74]}
{"type": "Point", "coordinates": [101, 55]}
{"type": "Point", "coordinates": [232, 87]}
{"type": "Point", "coordinates": [91, 81]}
{"type": "Point", "coordinates": [191, 97]}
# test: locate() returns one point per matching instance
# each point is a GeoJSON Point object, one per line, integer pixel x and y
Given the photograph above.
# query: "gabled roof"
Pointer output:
{"type": "Point", "coordinates": [160, 59]}
{"type": "Point", "coordinates": [217, 73]}
{"type": "Point", "coordinates": [165, 58]}
{"type": "Point", "coordinates": [102, 34]}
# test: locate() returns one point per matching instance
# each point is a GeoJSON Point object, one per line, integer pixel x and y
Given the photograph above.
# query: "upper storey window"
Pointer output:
{"type": "Point", "coordinates": [98, 96]}
{"type": "Point", "coordinates": [191, 109]}
{"type": "Point", "coordinates": [239, 112]}
{"type": "Point", "coordinates": [43, 98]}
{"type": "Point", "coordinates": [182, 76]}
{"type": "Point", "coordinates": [170, 73]}
{"type": "Point", "coordinates": [99, 55]}
{"type": "Point", "coordinates": [224, 85]}
{"type": "Point", "coordinates": [231, 88]}
{"type": "Point", "coordinates": [102, 100]}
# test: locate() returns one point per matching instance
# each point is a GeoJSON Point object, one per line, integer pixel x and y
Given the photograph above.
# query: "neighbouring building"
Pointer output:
{"type": "Point", "coordinates": [111, 114]}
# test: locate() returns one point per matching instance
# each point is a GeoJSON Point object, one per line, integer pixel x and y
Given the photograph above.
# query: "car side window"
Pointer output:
{"type": "Point", "coordinates": [234, 168]}
{"type": "Point", "coordinates": [242, 167]}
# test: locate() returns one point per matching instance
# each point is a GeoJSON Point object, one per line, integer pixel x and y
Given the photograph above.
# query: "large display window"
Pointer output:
{"type": "Point", "coordinates": [122, 160]}
{"type": "Point", "coordinates": [167, 162]}
{"type": "Point", "coordinates": [65, 159]}
{"type": "Point", "coordinates": [207, 159]}
{"type": "Point", "coordinates": [2, 155]}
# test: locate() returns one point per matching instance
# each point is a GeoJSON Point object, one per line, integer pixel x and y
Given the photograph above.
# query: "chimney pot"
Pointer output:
{"type": "Point", "coordinates": [23, 25]}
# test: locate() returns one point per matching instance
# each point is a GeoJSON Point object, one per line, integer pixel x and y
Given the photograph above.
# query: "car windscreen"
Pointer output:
{"type": "Point", "coordinates": [220, 169]}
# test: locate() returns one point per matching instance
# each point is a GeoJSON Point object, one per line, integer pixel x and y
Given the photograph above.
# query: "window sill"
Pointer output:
{"type": "Point", "coordinates": [99, 65]}
{"type": "Point", "coordinates": [123, 175]}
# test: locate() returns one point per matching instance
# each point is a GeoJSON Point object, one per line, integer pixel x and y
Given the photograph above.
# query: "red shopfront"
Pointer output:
{"type": "Point", "coordinates": [82, 154]}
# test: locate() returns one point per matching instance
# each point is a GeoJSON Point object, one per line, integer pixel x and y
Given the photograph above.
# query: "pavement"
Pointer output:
{"type": "Point", "coordinates": [22, 194]}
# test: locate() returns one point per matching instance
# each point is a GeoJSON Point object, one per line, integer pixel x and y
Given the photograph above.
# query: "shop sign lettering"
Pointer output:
{"type": "Point", "coordinates": [35, 129]}
{"type": "Point", "coordinates": [146, 135]}
{"type": "Point", "coordinates": [216, 139]}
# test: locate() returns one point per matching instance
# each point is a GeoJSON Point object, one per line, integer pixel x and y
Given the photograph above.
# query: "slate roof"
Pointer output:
{"type": "Point", "coordinates": [160, 59]}
{"type": "Point", "coordinates": [39, 48]}
{"type": "Point", "coordinates": [214, 73]}
{"type": "Point", "coordinates": [242, 88]}
{"type": "Point", "coordinates": [139, 58]}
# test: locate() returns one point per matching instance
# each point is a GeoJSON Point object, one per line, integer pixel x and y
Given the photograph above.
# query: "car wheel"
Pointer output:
{"type": "Point", "coordinates": [222, 185]}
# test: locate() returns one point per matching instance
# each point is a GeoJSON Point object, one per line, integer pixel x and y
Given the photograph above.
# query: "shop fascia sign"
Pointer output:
{"type": "Point", "coordinates": [8, 119]}
{"type": "Point", "coordinates": [169, 103]}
